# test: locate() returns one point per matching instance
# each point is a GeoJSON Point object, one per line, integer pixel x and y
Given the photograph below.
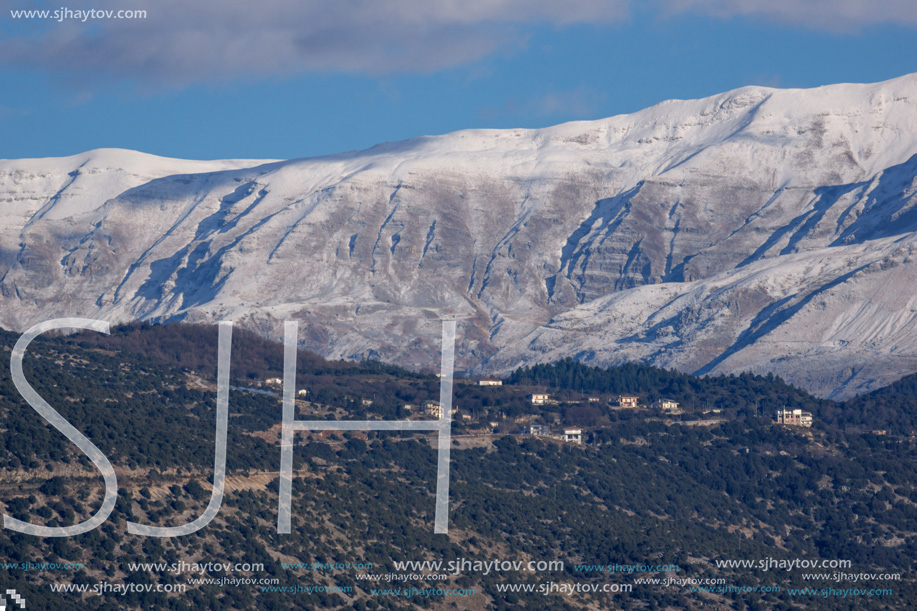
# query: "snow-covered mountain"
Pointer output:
{"type": "Point", "coordinates": [760, 229]}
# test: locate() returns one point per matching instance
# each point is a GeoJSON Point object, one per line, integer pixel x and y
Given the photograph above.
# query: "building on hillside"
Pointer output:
{"type": "Point", "coordinates": [539, 430]}
{"type": "Point", "coordinates": [624, 401]}
{"type": "Point", "coordinates": [795, 417]}
{"type": "Point", "coordinates": [593, 399]}
{"type": "Point", "coordinates": [366, 402]}
{"type": "Point", "coordinates": [573, 435]}
{"type": "Point", "coordinates": [433, 408]}
{"type": "Point", "coordinates": [540, 399]}
{"type": "Point", "coordinates": [490, 382]}
{"type": "Point", "coordinates": [274, 381]}
{"type": "Point", "coordinates": [667, 405]}
{"type": "Point", "coordinates": [302, 392]}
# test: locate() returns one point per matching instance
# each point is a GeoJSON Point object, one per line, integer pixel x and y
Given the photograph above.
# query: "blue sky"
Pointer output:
{"type": "Point", "coordinates": [295, 78]}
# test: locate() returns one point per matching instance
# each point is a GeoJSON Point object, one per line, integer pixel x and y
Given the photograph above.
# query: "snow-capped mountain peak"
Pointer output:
{"type": "Point", "coordinates": [759, 229]}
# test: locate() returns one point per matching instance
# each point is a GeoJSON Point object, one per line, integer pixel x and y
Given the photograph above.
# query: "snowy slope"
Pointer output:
{"type": "Point", "coordinates": [759, 229]}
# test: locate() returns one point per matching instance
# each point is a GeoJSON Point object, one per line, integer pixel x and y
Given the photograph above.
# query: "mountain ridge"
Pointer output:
{"type": "Point", "coordinates": [754, 230]}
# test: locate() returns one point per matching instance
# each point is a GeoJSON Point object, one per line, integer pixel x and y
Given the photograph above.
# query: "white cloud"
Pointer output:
{"type": "Point", "coordinates": [187, 41]}
{"type": "Point", "coordinates": [832, 15]}
{"type": "Point", "coordinates": [183, 41]}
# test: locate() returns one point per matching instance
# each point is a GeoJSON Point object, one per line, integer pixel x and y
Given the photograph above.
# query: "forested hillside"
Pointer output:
{"type": "Point", "coordinates": [717, 481]}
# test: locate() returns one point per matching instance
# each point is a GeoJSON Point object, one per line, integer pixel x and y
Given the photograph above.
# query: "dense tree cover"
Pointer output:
{"type": "Point", "coordinates": [194, 347]}
{"type": "Point", "coordinates": [893, 408]}
{"type": "Point", "coordinates": [643, 490]}
{"type": "Point", "coordinates": [730, 391]}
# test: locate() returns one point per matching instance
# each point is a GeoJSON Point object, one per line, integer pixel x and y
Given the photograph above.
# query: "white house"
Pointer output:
{"type": "Point", "coordinates": [572, 435]}
{"type": "Point", "coordinates": [624, 401]}
{"type": "Point", "coordinates": [539, 429]}
{"type": "Point", "coordinates": [540, 399]}
{"type": "Point", "coordinates": [490, 382]}
{"type": "Point", "coordinates": [796, 417]}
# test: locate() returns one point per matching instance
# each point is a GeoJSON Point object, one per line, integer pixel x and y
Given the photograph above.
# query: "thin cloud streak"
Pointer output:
{"type": "Point", "coordinates": [842, 16]}
{"type": "Point", "coordinates": [182, 42]}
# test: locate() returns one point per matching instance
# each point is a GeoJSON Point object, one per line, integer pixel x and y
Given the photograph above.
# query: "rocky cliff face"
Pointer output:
{"type": "Point", "coordinates": [760, 229]}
